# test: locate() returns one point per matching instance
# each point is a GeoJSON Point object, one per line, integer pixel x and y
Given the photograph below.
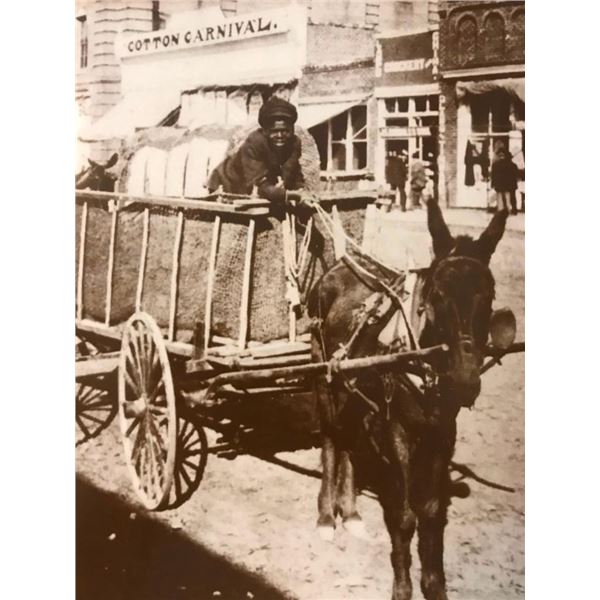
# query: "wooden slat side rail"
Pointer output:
{"type": "Point", "coordinates": [239, 207]}
{"type": "Point", "coordinates": [81, 260]}
{"type": "Point", "coordinates": [182, 349]}
{"type": "Point", "coordinates": [214, 247]}
{"type": "Point", "coordinates": [174, 277]}
{"type": "Point", "coordinates": [102, 365]}
{"type": "Point", "coordinates": [143, 255]}
{"type": "Point", "coordinates": [111, 265]}
{"type": "Point", "coordinates": [245, 303]}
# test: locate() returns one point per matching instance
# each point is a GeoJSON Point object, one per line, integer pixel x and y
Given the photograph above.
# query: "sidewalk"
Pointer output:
{"type": "Point", "coordinates": [401, 239]}
{"type": "Point", "coordinates": [459, 217]}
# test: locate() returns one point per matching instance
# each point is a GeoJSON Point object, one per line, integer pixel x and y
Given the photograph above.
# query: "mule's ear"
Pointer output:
{"type": "Point", "coordinates": [93, 163]}
{"type": "Point", "coordinates": [112, 161]}
{"type": "Point", "coordinates": [440, 235]}
{"type": "Point", "coordinates": [488, 240]}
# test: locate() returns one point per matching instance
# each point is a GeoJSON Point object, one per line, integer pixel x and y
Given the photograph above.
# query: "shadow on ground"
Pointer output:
{"type": "Point", "coordinates": [146, 560]}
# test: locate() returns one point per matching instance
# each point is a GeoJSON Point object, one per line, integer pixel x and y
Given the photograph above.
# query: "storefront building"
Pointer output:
{"type": "Point", "coordinates": [482, 81]}
{"type": "Point", "coordinates": [407, 96]}
{"type": "Point", "coordinates": [219, 62]}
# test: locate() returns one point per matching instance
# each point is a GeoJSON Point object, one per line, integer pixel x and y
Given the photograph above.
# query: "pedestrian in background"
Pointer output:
{"type": "Point", "coordinates": [418, 180]}
{"type": "Point", "coordinates": [505, 177]}
{"type": "Point", "coordinates": [396, 177]}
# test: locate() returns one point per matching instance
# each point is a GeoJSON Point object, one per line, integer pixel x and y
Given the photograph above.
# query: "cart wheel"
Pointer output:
{"type": "Point", "coordinates": [147, 410]}
{"type": "Point", "coordinates": [95, 405]}
{"type": "Point", "coordinates": [190, 462]}
{"type": "Point", "coordinates": [95, 408]}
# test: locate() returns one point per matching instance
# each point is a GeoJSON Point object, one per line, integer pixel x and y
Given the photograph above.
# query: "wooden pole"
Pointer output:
{"type": "Point", "coordinates": [174, 277]}
{"type": "Point", "coordinates": [315, 369]}
{"type": "Point", "coordinates": [111, 264]}
{"type": "Point", "coordinates": [339, 242]}
{"type": "Point", "coordinates": [82, 234]}
{"type": "Point", "coordinates": [143, 255]}
{"type": "Point", "coordinates": [245, 304]}
{"type": "Point", "coordinates": [214, 248]}
{"type": "Point", "coordinates": [498, 354]}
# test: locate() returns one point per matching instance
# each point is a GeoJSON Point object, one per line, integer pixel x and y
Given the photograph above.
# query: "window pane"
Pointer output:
{"type": "Point", "coordinates": [390, 105]}
{"type": "Point", "coordinates": [319, 133]}
{"type": "Point", "coordinates": [399, 122]}
{"type": "Point", "coordinates": [500, 105]}
{"type": "Point", "coordinates": [359, 160]}
{"type": "Point", "coordinates": [338, 127]}
{"type": "Point", "coordinates": [359, 122]}
{"type": "Point", "coordinates": [434, 103]}
{"type": "Point", "coordinates": [338, 157]}
{"type": "Point", "coordinates": [403, 104]}
{"type": "Point", "coordinates": [421, 103]}
{"type": "Point", "coordinates": [467, 40]}
{"type": "Point", "coordinates": [429, 121]}
{"type": "Point", "coordinates": [480, 114]}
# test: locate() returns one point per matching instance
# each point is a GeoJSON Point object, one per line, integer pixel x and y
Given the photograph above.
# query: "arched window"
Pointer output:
{"type": "Point", "coordinates": [493, 27]}
{"type": "Point", "coordinates": [517, 33]}
{"type": "Point", "coordinates": [466, 45]}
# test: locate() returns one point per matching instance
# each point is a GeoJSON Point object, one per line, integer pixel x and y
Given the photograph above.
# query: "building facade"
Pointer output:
{"type": "Point", "coordinates": [184, 63]}
{"type": "Point", "coordinates": [482, 102]}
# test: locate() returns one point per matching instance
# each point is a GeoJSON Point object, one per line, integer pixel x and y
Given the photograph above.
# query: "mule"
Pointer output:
{"type": "Point", "coordinates": [379, 430]}
{"type": "Point", "coordinates": [96, 177]}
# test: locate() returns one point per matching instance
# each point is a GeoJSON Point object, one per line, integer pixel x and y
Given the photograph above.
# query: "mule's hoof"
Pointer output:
{"type": "Point", "coordinates": [460, 489]}
{"type": "Point", "coordinates": [326, 532]}
{"type": "Point", "coordinates": [356, 528]}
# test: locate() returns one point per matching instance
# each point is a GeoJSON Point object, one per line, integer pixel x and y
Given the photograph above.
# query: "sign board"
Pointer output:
{"type": "Point", "coordinates": [407, 60]}
{"type": "Point", "coordinates": [243, 27]}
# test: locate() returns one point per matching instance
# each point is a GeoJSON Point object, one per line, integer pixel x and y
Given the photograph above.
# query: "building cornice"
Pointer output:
{"type": "Point", "coordinates": [482, 71]}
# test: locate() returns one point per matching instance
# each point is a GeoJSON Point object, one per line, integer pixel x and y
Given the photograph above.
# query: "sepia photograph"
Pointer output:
{"type": "Point", "coordinates": [299, 245]}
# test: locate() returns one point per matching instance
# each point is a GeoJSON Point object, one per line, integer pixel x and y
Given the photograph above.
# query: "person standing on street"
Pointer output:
{"type": "Point", "coordinates": [396, 177]}
{"type": "Point", "coordinates": [418, 180]}
{"type": "Point", "coordinates": [505, 177]}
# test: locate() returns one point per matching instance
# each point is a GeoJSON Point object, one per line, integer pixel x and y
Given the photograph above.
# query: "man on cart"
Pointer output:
{"type": "Point", "coordinates": [268, 160]}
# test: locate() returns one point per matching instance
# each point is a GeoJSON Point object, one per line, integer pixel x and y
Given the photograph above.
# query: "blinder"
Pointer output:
{"type": "Point", "coordinates": [503, 328]}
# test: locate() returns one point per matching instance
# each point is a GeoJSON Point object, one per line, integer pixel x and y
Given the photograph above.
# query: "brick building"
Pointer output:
{"type": "Point", "coordinates": [136, 69]}
{"type": "Point", "coordinates": [482, 102]}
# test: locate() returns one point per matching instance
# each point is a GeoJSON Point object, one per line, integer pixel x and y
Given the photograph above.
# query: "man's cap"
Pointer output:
{"type": "Point", "coordinates": [276, 108]}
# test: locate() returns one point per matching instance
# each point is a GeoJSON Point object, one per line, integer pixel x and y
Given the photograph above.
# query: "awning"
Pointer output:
{"type": "Point", "coordinates": [135, 110]}
{"type": "Point", "coordinates": [515, 87]}
{"type": "Point", "coordinates": [310, 115]}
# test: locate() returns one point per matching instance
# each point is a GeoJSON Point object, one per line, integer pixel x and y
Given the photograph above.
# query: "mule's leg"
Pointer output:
{"type": "Point", "coordinates": [346, 497]}
{"type": "Point", "coordinates": [326, 500]}
{"type": "Point", "coordinates": [431, 507]}
{"type": "Point", "coordinates": [400, 522]}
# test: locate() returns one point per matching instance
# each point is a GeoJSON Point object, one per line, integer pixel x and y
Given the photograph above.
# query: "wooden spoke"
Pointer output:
{"type": "Point", "coordinates": [145, 377]}
{"type": "Point", "coordinates": [94, 410]}
{"type": "Point", "coordinates": [82, 426]}
{"type": "Point", "coordinates": [136, 421]}
{"type": "Point", "coordinates": [192, 454]}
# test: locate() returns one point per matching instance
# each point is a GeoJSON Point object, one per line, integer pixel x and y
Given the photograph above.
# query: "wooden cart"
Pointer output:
{"type": "Point", "coordinates": [172, 361]}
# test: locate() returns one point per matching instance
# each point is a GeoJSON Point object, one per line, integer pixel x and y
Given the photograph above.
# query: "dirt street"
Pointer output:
{"type": "Point", "coordinates": [249, 531]}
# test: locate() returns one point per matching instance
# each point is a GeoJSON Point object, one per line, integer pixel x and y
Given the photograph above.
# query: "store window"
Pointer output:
{"type": "Point", "coordinates": [467, 40]}
{"type": "Point", "coordinates": [82, 36]}
{"type": "Point", "coordinates": [415, 111]}
{"type": "Point", "coordinates": [342, 141]}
